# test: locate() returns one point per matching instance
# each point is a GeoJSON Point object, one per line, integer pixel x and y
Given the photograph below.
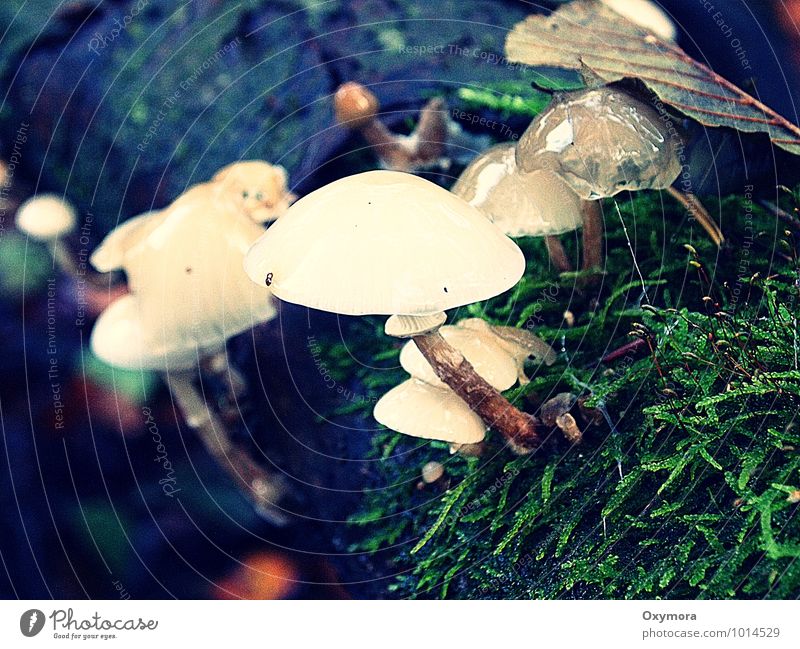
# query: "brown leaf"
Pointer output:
{"type": "Point", "coordinates": [588, 37]}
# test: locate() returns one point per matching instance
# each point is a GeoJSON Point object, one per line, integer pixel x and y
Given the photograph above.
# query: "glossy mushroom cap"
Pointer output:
{"type": "Point", "coordinates": [46, 217]}
{"type": "Point", "coordinates": [384, 242]}
{"type": "Point", "coordinates": [534, 204]}
{"type": "Point", "coordinates": [420, 410]}
{"type": "Point", "coordinates": [354, 105]}
{"type": "Point", "coordinates": [257, 187]}
{"type": "Point", "coordinates": [601, 142]}
{"type": "Point", "coordinates": [647, 14]}
{"type": "Point", "coordinates": [189, 293]}
{"type": "Point", "coordinates": [480, 348]}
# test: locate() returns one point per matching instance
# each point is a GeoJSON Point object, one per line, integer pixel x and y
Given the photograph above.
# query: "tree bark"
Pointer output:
{"type": "Point", "coordinates": [519, 428]}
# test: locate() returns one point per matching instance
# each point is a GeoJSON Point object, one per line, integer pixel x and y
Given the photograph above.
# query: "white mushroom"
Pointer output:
{"type": "Point", "coordinates": [48, 218]}
{"type": "Point", "coordinates": [390, 243]}
{"type": "Point", "coordinates": [538, 204]}
{"type": "Point", "coordinates": [481, 348]}
{"type": "Point", "coordinates": [601, 141]}
{"type": "Point", "coordinates": [520, 344]}
{"type": "Point", "coordinates": [184, 269]}
{"type": "Point", "coordinates": [420, 410]}
{"type": "Point", "coordinates": [188, 295]}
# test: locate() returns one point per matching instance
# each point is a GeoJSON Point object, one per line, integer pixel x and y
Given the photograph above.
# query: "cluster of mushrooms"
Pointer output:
{"type": "Point", "coordinates": [384, 242]}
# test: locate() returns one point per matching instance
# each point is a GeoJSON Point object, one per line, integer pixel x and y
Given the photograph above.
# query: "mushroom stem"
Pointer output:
{"type": "Point", "coordinates": [519, 428]}
{"type": "Point", "coordinates": [62, 257]}
{"type": "Point", "coordinates": [259, 487]}
{"type": "Point", "coordinates": [592, 235]}
{"type": "Point", "coordinates": [387, 145]}
{"type": "Point", "coordinates": [430, 135]}
{"type": "Point", "coordinates": [557, 254]}
{"type": "Point", "coordinates": [699, 212]}
{"type": "Point", "coordinates": [235, 383]}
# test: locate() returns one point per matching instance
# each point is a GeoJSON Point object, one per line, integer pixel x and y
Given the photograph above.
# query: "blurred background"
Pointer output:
{"type": "Point", "coordinates": [121, 105]}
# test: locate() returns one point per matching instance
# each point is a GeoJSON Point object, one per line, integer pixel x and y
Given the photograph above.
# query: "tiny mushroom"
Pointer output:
{"type": "Point", "coordinates": [420, 410]}
{"type": "Point", "coordinates": [48, 218]}
{"type": "Point", "coordinates": [258, 187]}
{"type": "Point", "coordinates": [386, 242]}
{"type": "Point", "coordinates": [480, 348]}
{"type": "Point", "coordinates": [538, 204]}
{"type": "Point", "coordinates": [357, 107]}
{"type": "Point", "coordinates": [432, 472]}
{"type": "Point", "coordinates": [603, 141]}
{"type": "Point", "coordinates": [188, 295]}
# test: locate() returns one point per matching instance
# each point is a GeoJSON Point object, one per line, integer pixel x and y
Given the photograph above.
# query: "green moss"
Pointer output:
{"type": "Point", "coordinates": [680, 492]}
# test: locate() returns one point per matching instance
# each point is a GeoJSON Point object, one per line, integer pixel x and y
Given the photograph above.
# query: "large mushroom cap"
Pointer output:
{"type": "Point", "coordinates": [46, 217]}
{"type": "Point", "coordinates": [534, 204]}
{"type": "Point", "coordinates": [602, 142]}
{"type": "Point", "coordinates": [184, 269]}
{"type": "Point", "coordinates": [420, 410]}
{"type": "Point", "coordinates": [384, 242]}
{"type": "Point", "coordinates": [480, 348]}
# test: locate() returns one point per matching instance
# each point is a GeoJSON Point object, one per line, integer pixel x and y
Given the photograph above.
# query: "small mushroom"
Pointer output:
{"type": "Point", "coordinates": [555, 413]}
{"type": "Point", "coordinates": [603, 141]}
{"type": "Point", "coordinates": [481, 348]}
{"type": "Point", "coordinates": [357, 107]}
{"type": "Point", "coordinates": [188, 295]}
{"type": "Point", "coordinates": [259, 188]}
{"type": "Point", "coordinates": [48, 218]}
{"type": "Point", "coordinates": [432, 472]}
{"type": "Point", "coordinates": [521, 344]}
{"type": "Point", "coordinates": [647, 14]}
{"type": "Point", "coordinates": [389, 243]}
{"type": "Point", "coordinates": [538, 204]}
{"type": "Point", "coordinates": [420, 410]}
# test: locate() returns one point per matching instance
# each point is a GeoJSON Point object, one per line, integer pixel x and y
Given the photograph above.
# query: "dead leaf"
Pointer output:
{"type": "Point", "coordinates": [603, 47]}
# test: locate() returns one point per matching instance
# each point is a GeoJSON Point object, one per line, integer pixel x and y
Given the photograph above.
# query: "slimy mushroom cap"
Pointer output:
{"type": "Point", "coordinates": [601, 142]}
{"type": "Point", "coordinates": [533, 204]}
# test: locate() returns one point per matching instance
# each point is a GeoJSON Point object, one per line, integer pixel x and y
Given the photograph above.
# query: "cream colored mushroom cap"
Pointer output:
{"type": "Point", "coordinates": [119, 338]}
{"type": "Point", "coordinates": [110, 254]}
{"type": "Point", "coordinates": [184, 268]}
{"type": "Point", "coordinates": [384, 242]}
{"type": "Point", "coordinates": [532, 204]}
{"type": "Point", "coordinates": [519, 343]}
{"type": "Point", "coordinates": [420, 410]}
{"type": "Point", "coordinates": [647, 14]}
{"type": "Point", "coordinates": [46, 217]}
{"type": "Point", "coordinates": [601, 142]}
{"type": "Point", "coordinates": [480, 348]}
